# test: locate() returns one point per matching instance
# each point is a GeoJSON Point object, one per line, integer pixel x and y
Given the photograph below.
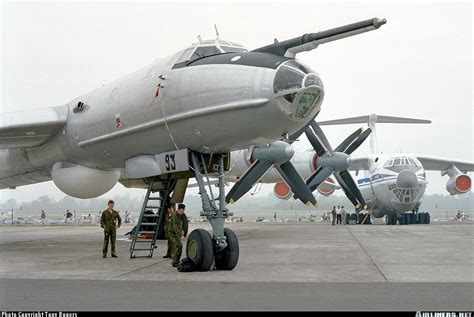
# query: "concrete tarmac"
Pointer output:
{"type": "Point", "coordinates": [282, 266]}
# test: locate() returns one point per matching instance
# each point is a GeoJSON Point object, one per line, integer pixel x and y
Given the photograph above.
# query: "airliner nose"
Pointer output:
{"type": "Point", "coordinates": [407, 179]}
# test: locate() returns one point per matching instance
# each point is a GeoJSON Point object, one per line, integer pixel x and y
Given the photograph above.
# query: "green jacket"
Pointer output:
{"type": "Point", "coordinates": [168, 219]}
{"type": "Point", "coordinates": [176, 224]}
{"type": "Point", "coordinates": [110, 220]}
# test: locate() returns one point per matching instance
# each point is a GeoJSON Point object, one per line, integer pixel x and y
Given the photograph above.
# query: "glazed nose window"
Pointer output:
{"type": "Point", "coordinates": [288, 78]}
{"type": "Point", "coordinates": [306, 103]}
{"type": "Point", "coordinates": [298, 90]}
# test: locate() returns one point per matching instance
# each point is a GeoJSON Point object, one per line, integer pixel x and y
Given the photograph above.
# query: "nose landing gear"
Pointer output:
{"type": "Point", "coordinates": [222, 248]}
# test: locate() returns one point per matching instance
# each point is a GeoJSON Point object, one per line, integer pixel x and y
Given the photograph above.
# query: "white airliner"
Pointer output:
{"type": "Point", "coordinates": [390, 184]}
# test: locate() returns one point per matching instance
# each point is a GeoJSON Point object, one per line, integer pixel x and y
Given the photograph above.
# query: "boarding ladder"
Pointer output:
{"type": "Point", "coordinates": [148, 225]}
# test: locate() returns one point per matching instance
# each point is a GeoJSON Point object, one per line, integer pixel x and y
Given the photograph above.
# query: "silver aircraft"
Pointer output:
{"type": "Point", "coordinates": [176, 119]}
{"type": "Point", "coordinates": [390, 185]}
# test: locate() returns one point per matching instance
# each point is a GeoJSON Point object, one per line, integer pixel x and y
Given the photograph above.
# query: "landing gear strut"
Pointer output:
{"type": "Point", "coordinates": [223, 248]}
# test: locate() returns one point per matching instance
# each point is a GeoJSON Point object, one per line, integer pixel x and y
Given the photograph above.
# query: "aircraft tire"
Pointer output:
{"type": "Point", "coordinates": [228, 258]}
{"type": "Point", "coordinates": [406, 219]}
{"type": "Point", "coordinates": [421, 218]}
{"type": "Point", "coordinates": [199, 249]}
{"type": "Point", "coordinates": [388, 219]}
{"type": "Point", "coordinates": [394, 219]}
{"type": "Point", "coordinates": [427, 218]}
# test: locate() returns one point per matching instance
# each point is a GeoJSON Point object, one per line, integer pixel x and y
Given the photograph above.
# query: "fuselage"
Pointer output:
{"type": "Point", "coordinates": [393, 184]}
{"type": "Point", "coordinates": [210, 103]}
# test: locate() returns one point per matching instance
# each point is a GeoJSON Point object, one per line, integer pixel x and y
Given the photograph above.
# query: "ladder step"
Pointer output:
{"type": "Point", "coordinates": [149, 224]}
{"type": "Point", "coordinates": [144, 240]}
{"type": "Point", "coordinates": [141, 256]}
{"type": "Point", "coordinates": [155, 198]}
{"type": "Point", "coordinates": [150, 215]}
{"type": "Point", "coordinates": [149, 249]}
{"type": "Point", "coordinates": [146, 232]}
{"type": "Point", "coordinates": [153, 207]}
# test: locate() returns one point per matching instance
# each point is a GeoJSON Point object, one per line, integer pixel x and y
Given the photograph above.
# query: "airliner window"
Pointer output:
{"type": "Point", "coordinates": [229, 49]}
{"type": "Point", "coordinates": [204, 51]}
{"type": "Point", "coordinates": [396, 162]}
{"type": "Point", "coordinates": [412, 161]}
{"type": "Point", "coordinates": [389, 163]}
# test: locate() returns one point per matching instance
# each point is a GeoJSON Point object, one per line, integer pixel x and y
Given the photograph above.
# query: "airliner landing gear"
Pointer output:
{"type": "Point", "coordinates": [223, 247]}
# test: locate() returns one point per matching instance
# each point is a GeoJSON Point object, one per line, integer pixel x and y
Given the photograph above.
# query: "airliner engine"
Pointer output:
{"type": "Point", "coordinates": [83, 182]}
{"type": "Point", "coordinates": [458, 182]}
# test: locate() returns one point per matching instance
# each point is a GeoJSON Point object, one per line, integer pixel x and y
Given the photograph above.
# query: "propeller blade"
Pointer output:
{"type": "Point", "coordinates": [248, 179]}
{"type": "Point", "coordinates": [346, 190]}
{"type": "Point", "coordinates": [296, 183]}
{"type": "Point", "coordinates": [344, 144]}
{"type": "Point", "coordinates": [317, 146]}
{"type": "Point", "coordinates": [361, 138]}
{"type": "Point", "coordinates": [321, 135]}
{"type": "Point", "coordinates": [318, 178]}
{"type": "Point", "coordinates": [293, 137]}
{"type": "Point", "coordinates": [347, 178]}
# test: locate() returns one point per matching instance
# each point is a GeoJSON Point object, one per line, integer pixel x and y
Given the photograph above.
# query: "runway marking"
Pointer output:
{"type": "Point", "coordinates": [365, 251]}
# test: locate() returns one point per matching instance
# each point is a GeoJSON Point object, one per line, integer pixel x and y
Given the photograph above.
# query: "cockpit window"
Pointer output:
{"type": "Point", "coordinates": [203, 51]}
{"type": "Point", "coordinates": [185, 55]}
{"type": "Point", "coordinates": [389, 163]}
{"type": "Point", "coordinates": [229, 49]}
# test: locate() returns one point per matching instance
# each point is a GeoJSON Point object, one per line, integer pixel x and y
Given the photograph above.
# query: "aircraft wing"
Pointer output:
{"type": "Point", "coordinates": [432, 163]}
{"type": "Point", "coordinates": [31, 128]}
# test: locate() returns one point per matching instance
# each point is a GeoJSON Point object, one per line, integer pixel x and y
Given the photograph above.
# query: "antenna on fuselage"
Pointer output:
{"type": "Point", "coordinates": [217, 31]}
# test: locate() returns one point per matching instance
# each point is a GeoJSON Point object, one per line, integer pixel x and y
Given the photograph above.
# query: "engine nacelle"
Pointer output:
{"type": "Point", "coordinates": [326, 189]}
{"type": "Point", "coordinates": [282, 191]}
{"type": "Point", "coordinates": [83, 182]}
{"type": "Point", "coordinates": [459, 184]}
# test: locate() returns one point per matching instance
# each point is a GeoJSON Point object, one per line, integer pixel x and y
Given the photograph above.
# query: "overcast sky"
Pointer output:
{"type": "Point", "coordinates": [417, 65]}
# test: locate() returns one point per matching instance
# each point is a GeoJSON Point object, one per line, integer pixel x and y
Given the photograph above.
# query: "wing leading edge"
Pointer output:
{"type": "Point", "coordinates": [31, 128]}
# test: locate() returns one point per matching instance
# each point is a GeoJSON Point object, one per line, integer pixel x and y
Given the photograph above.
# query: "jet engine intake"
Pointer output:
{"type": "Point", "coordinates": [459, 184]}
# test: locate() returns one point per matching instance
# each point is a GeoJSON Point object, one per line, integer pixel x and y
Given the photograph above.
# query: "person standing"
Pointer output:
{"type": "Point", "coordinates": [338, 214]}
{"type": "Point", "coordinates": [168, 218]}
{"type": "Point", "coordinates": [333, 213]}
{"type": "Point", "coordinates": [344, 215]}
{"type": "Point", "coordinates": [110, 221]}
{"type": "Point", "coordinates": [176, 232]}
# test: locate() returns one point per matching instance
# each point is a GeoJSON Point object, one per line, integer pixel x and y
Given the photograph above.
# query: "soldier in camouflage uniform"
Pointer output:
{"type": "Point", "coordinates": [176, 233]}
{"type": "Point", "coordinates": [168, 218]}
{"type": "Point", "coordinates": [110, 221]}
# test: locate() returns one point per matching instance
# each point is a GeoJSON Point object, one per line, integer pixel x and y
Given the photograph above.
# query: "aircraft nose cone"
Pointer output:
{"type": "Point", "coordinates": [407, 179]}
